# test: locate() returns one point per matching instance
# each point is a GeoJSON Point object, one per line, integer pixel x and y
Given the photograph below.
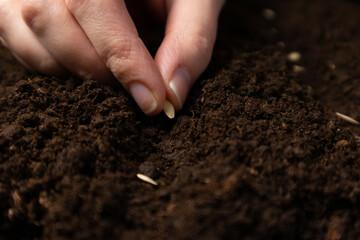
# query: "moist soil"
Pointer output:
{"type": "Point", "coordinates": [256, 153]}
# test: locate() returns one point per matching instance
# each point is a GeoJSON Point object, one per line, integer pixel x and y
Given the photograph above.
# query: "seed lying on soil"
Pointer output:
{"type": "Point", "coordinates": [347, 118]}
{"type": "Point", "coordinates": [146, 179]}
{"type": "Point", "coordinates": [11, 213]}
{"type": "Point", "coordinates": [269, 14]}
{"type": "Point", "coordinates": [298, 69]}
{"type": "Point", "coordinates": [169, 109]}
{"type": "Point", "coordinates": [294, 57]}
{"type": "Point", "coordinates": [332, 66]}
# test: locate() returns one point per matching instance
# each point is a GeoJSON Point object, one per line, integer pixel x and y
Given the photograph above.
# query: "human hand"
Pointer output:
{"type": "Point", "coordinates": [98, 39]}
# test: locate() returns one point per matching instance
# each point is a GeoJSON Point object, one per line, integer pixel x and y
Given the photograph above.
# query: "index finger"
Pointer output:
{"type": "Point", "coordinates": [112, 32]}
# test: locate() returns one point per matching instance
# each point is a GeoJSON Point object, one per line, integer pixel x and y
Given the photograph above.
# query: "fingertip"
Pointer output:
{"type": "Point", "coordinates": [188, 45]}
{"type": "Point", "coordinates": [180, 84]}
{"type": "Point", "coordinates": [179, 66]}
{"type": "Point", "coordinates": [150, 102]}
{"type": "Point", "coordinates": [32, 14]}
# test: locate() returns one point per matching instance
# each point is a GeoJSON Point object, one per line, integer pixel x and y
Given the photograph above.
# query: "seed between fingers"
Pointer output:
{"type": "Point", "coordinates": [169, 109]}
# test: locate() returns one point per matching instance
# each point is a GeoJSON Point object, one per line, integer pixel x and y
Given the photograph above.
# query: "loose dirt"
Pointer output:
{"type": "Point", "coordinates": [256, 153]}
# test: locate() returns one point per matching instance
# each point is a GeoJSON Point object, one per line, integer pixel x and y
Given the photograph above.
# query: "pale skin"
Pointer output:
{"type": "Point", "coordinates": [98, 39]}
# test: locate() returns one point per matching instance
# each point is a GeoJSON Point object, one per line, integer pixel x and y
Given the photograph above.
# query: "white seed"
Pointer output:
{"type": "Point", "coordinates": [294, 57]}
{"type": "Point", "coordinates": [11, 213]}
{"type": "Point", "coordinates": [169, 109]}
{"type": "Point", "coordinates": [347, 118]}
{"type": "Point", "coordinates": [269, 14]}
{"type": "Point", "coordinates": [298, 69]}
{"type": "Point", "coordinates": [146, 179]}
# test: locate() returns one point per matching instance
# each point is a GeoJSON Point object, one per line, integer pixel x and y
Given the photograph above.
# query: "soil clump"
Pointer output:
{"type": "Point", "coordinates": [256, 153]}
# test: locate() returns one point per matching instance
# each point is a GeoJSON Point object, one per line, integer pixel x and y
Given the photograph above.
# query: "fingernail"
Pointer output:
{"type": "Point", "coordinates": [180, 84]}
{"type": "Point", "coordinates": [143, 97]}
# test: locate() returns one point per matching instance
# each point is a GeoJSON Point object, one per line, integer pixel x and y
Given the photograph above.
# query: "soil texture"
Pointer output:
{"type": "Point", "coordinates": [256, 153]}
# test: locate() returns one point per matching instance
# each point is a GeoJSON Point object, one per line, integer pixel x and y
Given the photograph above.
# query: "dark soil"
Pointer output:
{"type": "Point", "coordinates": [256, 153]}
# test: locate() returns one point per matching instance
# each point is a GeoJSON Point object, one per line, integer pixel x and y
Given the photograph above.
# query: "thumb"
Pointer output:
{"type": "Point", "coordinates": [186, 50]}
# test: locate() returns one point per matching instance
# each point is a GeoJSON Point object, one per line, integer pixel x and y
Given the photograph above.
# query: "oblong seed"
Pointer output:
{"type": "Point", "coordinates": [347, 118]}
{"type": "Point", "coordinates": [294, 56]}
{"type": "Point", "coordinates": [169, 109]}
{"type": "Point", "coordinates": [298, 69]}
{"type": "Point", "coordinates": [146, 179]}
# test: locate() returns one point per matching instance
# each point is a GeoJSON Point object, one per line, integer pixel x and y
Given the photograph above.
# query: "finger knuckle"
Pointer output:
{"type": "Point", "coordinates": [31, 11]}
{"type": "Point", "coordinates": [74, 5]}
{"type": "Point", "coordinates": [202, 44]}
{"type": "Point", "coordinates": [119, 59]}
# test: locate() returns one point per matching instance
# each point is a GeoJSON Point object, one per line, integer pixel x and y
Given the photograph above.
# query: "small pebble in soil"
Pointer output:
{"type": "Point", "coordinates": [146, 179]}
{"type": "Point", "coordinates": [347, 118]}
{"type": "Point", "coordinates": [11, 214]}
{"type": "Point", "coordinates": [169, 109]}
{"type": "Point", "coordinates": [294, 57]}
{"type": "Point", "coordinates": [298, 69]}
{"type": "Point", "coordinates": [269, 14]}
{"type": "Point", "coordinates": [332, 66]}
